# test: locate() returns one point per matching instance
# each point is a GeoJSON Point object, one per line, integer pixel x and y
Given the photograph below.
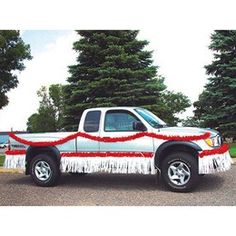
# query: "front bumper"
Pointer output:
{"type": "Point", "coordinates": [213, 161]}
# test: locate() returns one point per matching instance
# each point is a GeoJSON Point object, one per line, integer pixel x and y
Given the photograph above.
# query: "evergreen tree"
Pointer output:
{"type": "Point", "coordinates": [113, 69]}
{"type": "Point", "coordinates": [49, 115]}
{"type": "Point", "coordinates": [191, 121]}
{"type": "Point", "coordinates": [56, 98]}
{"type": "Point", "coordinates": [13, 51]}
{"type": "Point", "coordinates": [216, 107]}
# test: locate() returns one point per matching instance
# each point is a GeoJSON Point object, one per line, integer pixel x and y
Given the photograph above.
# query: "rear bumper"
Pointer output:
{"type": "Point", "coordinates": [213, 161]}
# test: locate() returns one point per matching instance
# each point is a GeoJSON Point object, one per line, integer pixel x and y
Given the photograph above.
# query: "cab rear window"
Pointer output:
{"type": "Point", "coordinates": [92, 120]}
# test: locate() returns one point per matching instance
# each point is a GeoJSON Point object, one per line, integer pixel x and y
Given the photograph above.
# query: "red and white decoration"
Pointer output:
{"type": "Point", "coordinates": [216, 160]}
{"type": "Point", "coordinates": [15, 159]}
{"type": "Point", "coordinates": [210, 161]}
{"type": "Point", "coordinates": [88, 162]}
{"type": "Point", "coordinates": [111, 162]}
{"type": "Point", "coordinates": [109, 139]}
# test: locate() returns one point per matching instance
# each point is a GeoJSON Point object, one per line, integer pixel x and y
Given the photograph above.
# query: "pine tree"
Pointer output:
{"type": "Point", "coordinates": [216, 107]}
{"type": "Point", "coordinates": [113, 69]}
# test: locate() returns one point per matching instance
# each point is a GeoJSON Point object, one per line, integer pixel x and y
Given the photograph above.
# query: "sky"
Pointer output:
{"type": "Point", "coordinates": [180, 56]}
{"type": "Point", "coordinates": [52, 54]}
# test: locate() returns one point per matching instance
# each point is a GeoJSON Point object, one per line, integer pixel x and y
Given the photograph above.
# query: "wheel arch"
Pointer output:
{"type": "Point", "coordinates": [33, 151]}
{"type": "Point", "coordinates": [173, 146]}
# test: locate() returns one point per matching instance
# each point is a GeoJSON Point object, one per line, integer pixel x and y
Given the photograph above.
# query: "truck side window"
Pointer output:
{"type": "Point", "coordinates": [92, 120]}
{"type": "Point", "coordinates": [119, 120]}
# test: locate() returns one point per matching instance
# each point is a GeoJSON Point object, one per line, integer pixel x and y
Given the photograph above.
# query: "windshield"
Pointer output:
{"type": "Point", "coordinates": [148, 116]}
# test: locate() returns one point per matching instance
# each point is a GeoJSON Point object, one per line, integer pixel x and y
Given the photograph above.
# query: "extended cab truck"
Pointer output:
{"type": "Point", "coordinates": [121, 140]}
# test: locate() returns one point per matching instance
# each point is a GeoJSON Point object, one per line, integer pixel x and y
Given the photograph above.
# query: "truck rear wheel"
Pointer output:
{"type": "Point", "coordinates": [44, 170]}
{"type": "Point", "coordinates": [180, 172]}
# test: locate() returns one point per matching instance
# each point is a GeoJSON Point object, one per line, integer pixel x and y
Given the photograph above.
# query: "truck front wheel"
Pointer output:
{"type": "Point", "coordinates": [44, 170]}
{"type": "Point", "coordinates": [180, 172]}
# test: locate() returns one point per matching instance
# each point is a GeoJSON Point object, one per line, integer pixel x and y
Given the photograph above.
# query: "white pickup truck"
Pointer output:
{"type": "Point", "coordinates": [121, 140]}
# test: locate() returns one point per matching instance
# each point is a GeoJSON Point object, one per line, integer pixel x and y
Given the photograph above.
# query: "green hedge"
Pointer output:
{"type": "Point", "coordinates": [232, 150]}
{"type": "Point", "coordinates": [2, 158]}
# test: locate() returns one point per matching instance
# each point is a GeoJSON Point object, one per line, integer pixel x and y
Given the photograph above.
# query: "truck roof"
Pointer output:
{"type": "Point", "coordinates": [111, 108]}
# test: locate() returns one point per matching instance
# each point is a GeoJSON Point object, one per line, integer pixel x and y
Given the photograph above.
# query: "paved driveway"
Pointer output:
{"type": "Point", "coordinates": [116, 190]}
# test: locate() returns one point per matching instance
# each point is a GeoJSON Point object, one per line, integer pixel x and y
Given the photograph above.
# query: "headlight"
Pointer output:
{"type": "Point", "coordinates": [214, 141]}
{"type": "Point", "coordinates": [209, 142]}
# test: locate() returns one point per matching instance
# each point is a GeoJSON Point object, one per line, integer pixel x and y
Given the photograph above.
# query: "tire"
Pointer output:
{"type": "Point", "coordinates": [180, 172]}
{"type": "Point", "coordinates": [44, 170]}
{"type": "Point", "coordinates": [77, 174]}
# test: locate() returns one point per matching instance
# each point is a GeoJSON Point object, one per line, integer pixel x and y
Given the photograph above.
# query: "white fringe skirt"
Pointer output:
{"type": "Point", "coordinates": [214, 163]}
{"type": "Point", "coordinates": [206, 165]}
{"type": "Point", "coordinates": [140, 165]}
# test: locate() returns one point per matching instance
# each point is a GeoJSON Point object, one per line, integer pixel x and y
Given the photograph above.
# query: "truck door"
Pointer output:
{"type": "Point", "coordinates": [118, 123]}
{"type": "Point", "coordinates": [91, 126]}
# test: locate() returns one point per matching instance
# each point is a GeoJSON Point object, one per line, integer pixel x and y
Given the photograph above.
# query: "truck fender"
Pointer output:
{"type": "Point", "coordinates": [171, 146]}
{"type": "Point", "coordinates": [33, 151]}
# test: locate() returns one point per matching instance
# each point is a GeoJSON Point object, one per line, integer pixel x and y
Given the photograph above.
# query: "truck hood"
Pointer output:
{"type": "Point", "coordinates": [183, 131]}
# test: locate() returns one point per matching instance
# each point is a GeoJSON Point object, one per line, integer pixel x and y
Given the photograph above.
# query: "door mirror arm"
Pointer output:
{"type": "Point", "coordinates": [139, 126]}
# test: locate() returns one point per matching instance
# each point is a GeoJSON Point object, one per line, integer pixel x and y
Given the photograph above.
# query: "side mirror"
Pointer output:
{"type": "Point", "coordinates": [139, 126]}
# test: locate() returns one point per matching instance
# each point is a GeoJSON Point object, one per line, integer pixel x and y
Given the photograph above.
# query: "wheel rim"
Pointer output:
{"type": "Point", "coordinates": [42, 170]}
{"type": "Point", "coordinates": [179, 173]}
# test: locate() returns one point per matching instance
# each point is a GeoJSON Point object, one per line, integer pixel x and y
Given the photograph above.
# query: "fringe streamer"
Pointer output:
{"type": "Point", "coordinates": [125, 165]}
{"type": "Point", "coordinates": [132, 163]}
{"type": "Point", "coordinates": [211, 164]}
{"type": "Point", "coordinates": [14, 161]}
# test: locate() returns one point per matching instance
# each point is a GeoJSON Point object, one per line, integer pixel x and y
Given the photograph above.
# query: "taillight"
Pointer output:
{"type": "Point", "coordinates": [9, 145]}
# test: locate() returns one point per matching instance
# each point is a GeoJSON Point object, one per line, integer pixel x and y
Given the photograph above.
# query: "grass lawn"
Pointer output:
{"type": "Point", "coordinates": [2, 158]}
{"type": "Point", "coordinates": [232, 150]}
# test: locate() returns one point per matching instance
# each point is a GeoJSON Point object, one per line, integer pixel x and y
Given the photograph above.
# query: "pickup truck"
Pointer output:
{"type": "Point", "coordinates": [121, 140]}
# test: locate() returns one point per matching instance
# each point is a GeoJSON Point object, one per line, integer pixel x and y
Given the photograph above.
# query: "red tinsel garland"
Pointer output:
{"type": "Point", "coordinates": [15, 152]}
{"type": "Point", "coordinates": [224, 148]}
{"type": "Point", "coordinates": [109, 139]}
{"type": "Point", "coordinates": [107, 154]}
{"type": "Point", "coordinates": [92, 154]}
